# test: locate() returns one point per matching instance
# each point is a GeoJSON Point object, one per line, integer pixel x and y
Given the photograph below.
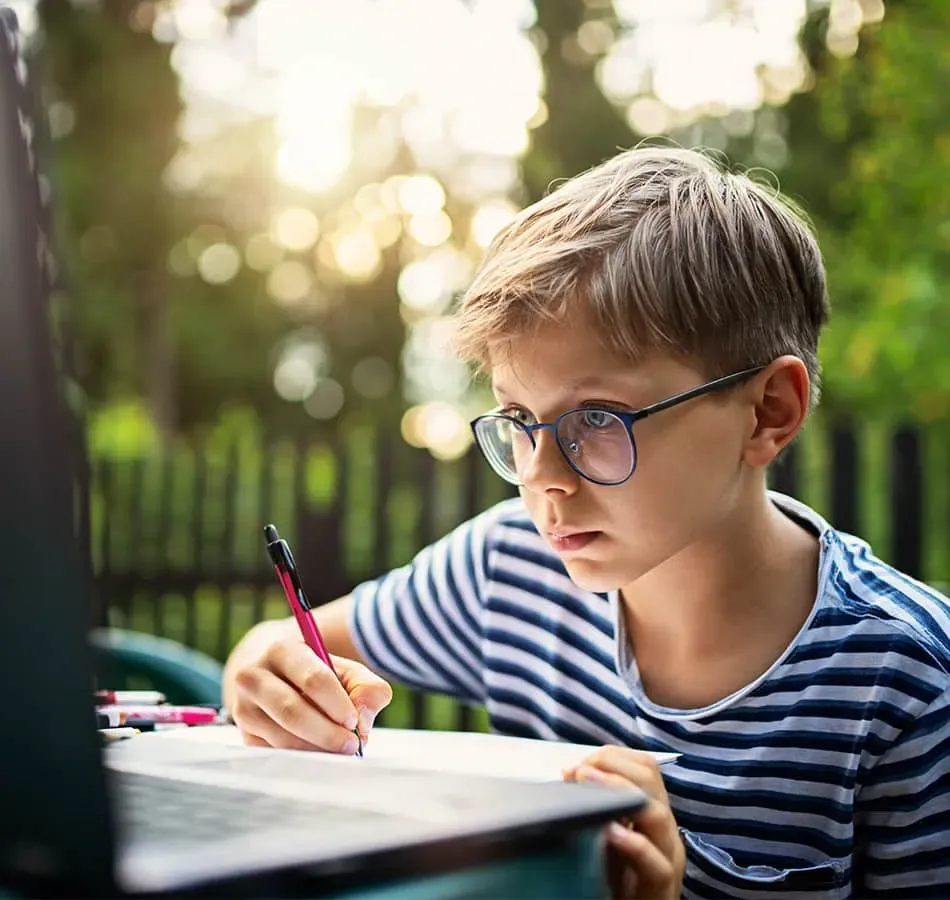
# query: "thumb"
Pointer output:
{"type": "Point", "coordinates": [368, 692]}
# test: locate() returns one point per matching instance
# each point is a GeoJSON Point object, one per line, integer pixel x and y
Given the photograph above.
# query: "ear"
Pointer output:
{"type": "Point", "coordinates": [781, 404]}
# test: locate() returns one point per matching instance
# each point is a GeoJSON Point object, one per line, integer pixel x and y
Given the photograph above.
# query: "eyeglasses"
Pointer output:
{"type": "Point", "coordinates": [596, 441]}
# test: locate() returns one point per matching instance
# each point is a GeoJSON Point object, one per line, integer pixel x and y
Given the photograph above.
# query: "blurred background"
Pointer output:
{"type": "Point", "coordinates": [263, 212]}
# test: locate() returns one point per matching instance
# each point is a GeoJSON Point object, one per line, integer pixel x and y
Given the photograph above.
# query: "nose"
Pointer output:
{"type": "Point", "coordinates": [547, 470]}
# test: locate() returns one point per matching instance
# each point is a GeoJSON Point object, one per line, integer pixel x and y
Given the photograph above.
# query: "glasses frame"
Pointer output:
{"type": "Point", "coordinates": [627, 418]}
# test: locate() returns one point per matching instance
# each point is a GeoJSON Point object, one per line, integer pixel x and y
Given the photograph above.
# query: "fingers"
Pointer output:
{"type": "Point", "coordinates": [655, 819]}
{"type": "Point", "coordinates": [299, 666]}
{"type": "Point", "coordinates": [598, 776]}
{"type": "Point", "coordinates": [651, 845]}
{"type": "Point", "coordinates": [289, 698]}
{"type": "Point", "coordinates": [269, 708]}
{"type": "Point", "coordinates": [367, 691]}
{"type": "Point", "coordinates": [272, 735]}
{"type": "Point", "coordinates": [656, 873]}
{"type": "Point", "coordinates": [636, 766]}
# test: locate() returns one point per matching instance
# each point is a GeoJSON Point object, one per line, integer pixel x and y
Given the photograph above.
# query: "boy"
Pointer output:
{"type": "Point", "coordinates": [651, 332]}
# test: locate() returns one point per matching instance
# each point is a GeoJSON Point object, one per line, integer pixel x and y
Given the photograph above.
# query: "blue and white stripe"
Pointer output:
{"type": "Point", "coordinates": [828, 776]}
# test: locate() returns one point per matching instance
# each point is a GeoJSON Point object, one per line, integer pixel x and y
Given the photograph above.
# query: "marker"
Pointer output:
{"type": "Point", "coordinates": [165, 713]}
{"type": "Point", "coordinates": [108, 718]}
{"type": "Point", "coordinates": [286, 570]}
{"type": "Point", "coordinates": [117, 734]}
{"type": "Point", "coordinates": [142, 698]}
{"type": "Point", "coordinates": [152, 725]}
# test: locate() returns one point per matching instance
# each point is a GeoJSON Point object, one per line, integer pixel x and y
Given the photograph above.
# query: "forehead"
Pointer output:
{"type": "Point", "coordinates": [566, 361]}
{"type": "Point", "coordinates": [555, 352]}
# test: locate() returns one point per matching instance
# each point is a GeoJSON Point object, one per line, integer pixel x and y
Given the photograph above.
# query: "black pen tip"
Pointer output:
{"type": "Point", "coordinates": [270, 534]}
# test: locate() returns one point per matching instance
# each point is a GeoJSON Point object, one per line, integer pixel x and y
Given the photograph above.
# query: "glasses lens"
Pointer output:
{"type": "Point", "coordinates": [598, 445]}
{"type": "Point", "coordinates": [506, 446]}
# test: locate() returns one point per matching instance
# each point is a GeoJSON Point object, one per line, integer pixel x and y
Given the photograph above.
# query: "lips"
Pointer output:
{"type": "Point", "coordinates": [566, 541]}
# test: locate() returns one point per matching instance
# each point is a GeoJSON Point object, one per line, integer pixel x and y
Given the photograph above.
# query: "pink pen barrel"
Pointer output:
{"type": "Point", "coordinates": [308, 628]}
{"type": "Point", "coordinates": [286, 570]}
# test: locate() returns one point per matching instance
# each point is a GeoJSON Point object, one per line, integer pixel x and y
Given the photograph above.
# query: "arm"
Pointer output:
{"type": "Point", "coordinates": [902, 814]}
{"type": "Point", "coordinates": [419, 624]}
{"type": "Point", "coordinates": [422, 624]}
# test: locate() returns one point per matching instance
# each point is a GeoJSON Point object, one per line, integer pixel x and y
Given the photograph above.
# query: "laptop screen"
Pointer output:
{"type": "Point", "coordinates": [54, 822]}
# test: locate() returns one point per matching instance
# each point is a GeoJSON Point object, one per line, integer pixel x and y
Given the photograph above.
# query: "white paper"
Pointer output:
{"type": "Point", "coordinates": [463, 752]}
{"type": "Point", "coordinates": [479, 754]}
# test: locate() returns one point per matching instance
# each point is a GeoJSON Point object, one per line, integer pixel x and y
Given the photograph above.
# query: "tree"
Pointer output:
{"type": "Point", "coordinates": [869, 149]}
{"type": "Point", "coordinates": [114, 105]}
{"type": "Point", "coordinates": [583, 127]}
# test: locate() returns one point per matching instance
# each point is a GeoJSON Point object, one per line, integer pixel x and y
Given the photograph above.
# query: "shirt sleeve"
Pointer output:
{"type": "Point", "coordinates": [903, 813]}
{"type": "Point", "coordinates": [422, 624]}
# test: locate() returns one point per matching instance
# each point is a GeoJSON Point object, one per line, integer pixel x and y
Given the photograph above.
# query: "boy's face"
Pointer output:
{"type": "Point", "coordinates": [688, 478]}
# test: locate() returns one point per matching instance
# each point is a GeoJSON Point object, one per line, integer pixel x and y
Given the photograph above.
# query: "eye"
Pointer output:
{"type": "Point", "coordinates": [598, 418]}
{"type": "Point", "coordinates": [520, 415]}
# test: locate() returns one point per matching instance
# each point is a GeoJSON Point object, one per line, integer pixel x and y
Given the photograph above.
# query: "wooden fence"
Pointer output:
{"type": "Point", "coordinates": [177, 545]}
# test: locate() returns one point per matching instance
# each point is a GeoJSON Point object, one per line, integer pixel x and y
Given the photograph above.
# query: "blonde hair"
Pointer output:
{"type": "Point", "coordinates": [662, 250]}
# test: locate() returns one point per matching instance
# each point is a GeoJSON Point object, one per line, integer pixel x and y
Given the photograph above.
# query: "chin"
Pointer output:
{"type": "Point", "coordinates": [597, 578]}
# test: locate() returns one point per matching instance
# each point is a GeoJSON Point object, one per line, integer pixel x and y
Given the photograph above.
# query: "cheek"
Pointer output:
{"type": "Point", "coordinates": [696, 455]}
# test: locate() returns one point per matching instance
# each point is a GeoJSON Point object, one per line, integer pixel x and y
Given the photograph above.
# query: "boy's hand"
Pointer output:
{"type": "Point", "coordinates": [288, 698]}
{"type": "Point", "coordinates": [647, 858]}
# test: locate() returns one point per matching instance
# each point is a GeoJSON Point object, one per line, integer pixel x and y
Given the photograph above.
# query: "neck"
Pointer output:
{"type": "Point", "coordinates": [747, 570]}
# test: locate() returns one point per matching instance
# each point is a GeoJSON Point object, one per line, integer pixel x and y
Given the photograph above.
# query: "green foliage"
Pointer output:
{"type": "Point", "coordinates": [178, 372]}
{"type": "Point", "coordinates": [870, 154]}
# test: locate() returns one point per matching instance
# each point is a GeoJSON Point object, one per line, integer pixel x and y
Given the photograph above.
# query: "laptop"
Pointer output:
{"type": "Point", "coordinates": [175, 816]}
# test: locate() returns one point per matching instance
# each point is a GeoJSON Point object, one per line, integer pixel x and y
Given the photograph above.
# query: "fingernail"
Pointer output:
{"type": "Point", "coordinates": [349, 723]}
{"type": "Point", "coordinates": [616, 832]}
{"type": "Point", "coordinates": [586, 773]}
{"type": "Point", "coordinates": [367, 717]}
{"type": "Point", "coordinates": [351, 745]}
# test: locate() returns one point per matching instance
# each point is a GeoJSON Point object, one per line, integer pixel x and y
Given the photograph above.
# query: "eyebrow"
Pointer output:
{"type": "Point", "coordinates": [585, 384]}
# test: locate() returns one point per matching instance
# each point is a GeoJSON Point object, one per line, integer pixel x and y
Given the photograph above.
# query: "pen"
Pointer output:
{"type": "Point", "coordinates": [286, 570]}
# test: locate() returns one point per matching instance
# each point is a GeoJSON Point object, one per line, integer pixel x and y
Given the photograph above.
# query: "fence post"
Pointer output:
{"type": "Point", "coordinates": [384, 483]}
{"type": "Point", "coordinates": [265, 479]}
{"type": "Point", "coordinates": [320, 533]}
{"type": "Point", "coordinates": [907, 503]}
{"type": "Point", "coordinates": [199, 495]}
{"type": "Point", "coordinates": [471, 506]}
{"type": "Point", "coordinates": [425, 472]}
{"type": "Point", "coordinates": [227, 556]}
{"type": "Point", "coordinates": [845, 514]}
{"type": "Point", "coordinates": [103, 479]}
{"type": "Point", "coordinates": [163, 530]}
{"type": "Point", "coordinates": [784, 474]}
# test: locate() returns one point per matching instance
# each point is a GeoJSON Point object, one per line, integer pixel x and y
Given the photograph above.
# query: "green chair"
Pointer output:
{"type": "Point", "coordinates": [131, 660]}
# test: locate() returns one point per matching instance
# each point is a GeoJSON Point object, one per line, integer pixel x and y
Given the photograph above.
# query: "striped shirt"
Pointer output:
{"type": "Point", "coordinates": [828, 776]}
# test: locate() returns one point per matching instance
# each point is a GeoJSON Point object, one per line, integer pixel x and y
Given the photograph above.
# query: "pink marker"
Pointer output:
{"type": "Point", "coordinates": [146, 698]}
{"type": "Point", "coordinates": [165, 713]}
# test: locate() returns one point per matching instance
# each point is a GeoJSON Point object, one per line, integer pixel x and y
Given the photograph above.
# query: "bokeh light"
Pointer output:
{"type": "Point", "coordinates": [289, 282]}
{"type": "Point", "coordinates": [219, 263]}
{"type": "Point", "coordinates": [295, 228]}
{"type": "Point", "coordinates": [326, 399]}
{"type": "Point", "coordinates": [438, 426]}
{"type": "Point", "coordinates": [345, 146]}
